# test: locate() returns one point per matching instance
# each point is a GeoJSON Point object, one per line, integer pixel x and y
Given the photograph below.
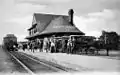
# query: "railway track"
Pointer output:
{"type": "Point", "coordinates": [33, 66]}
{"type": "Point", "coordinates": [22, 64]}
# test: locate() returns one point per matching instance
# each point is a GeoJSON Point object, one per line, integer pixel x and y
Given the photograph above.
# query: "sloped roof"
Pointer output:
{"type": "Point", "coordinates": [45, 19]}
{"type": "Point", "coordinates": [61, 25]}
{"type": "Point", "coordinates": [51, 23]}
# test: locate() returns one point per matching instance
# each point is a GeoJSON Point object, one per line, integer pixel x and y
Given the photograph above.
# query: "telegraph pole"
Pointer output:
{"type": "Point", "coordinates": [106, 45]}
{"type": "Point", "coordinates": [105, 39]}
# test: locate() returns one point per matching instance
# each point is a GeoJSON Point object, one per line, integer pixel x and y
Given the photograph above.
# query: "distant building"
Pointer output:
{"type": "Point", "coordinates": [46, 25]}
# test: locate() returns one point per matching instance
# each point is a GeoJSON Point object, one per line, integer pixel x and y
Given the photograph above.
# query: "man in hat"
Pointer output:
{"type": "Point", "coordinates": [73, 45]}
{"type": "Point", "coordinates": [69, 46]}
{"type": "Point", "coordinates": [52, 44]}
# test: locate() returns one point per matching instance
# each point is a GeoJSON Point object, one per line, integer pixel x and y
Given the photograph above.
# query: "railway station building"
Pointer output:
{"type": "Point", "coordinates": [51, 25]}
{"type": "Point", "coordinates": [47, 25]}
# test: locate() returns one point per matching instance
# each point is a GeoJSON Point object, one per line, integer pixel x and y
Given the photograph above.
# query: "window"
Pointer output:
{"type": "Point", "coordinates": [35, 29]}
{"type": "Point", "coordinates": [30, 32]}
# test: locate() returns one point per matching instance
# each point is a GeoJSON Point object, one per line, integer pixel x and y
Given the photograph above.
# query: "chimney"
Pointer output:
{"type": "Point", "coordinates": [70, 13]}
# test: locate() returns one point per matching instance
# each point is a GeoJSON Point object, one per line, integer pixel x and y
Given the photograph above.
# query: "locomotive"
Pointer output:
{"type": "Point", "coordinates": [10, 42]}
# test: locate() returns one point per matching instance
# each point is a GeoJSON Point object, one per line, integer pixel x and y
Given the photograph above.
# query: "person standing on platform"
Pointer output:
{"type": "Point", "coordinates": [41, 46]}
{"type": "Point", "coordinates": [33, 46]}
{"type": "Point", "coordinates": [69, 46]}
{"type": "Point", "coordinates": [55, 45]}
{"type": "Point", "coordinates": [45, 44]}
{"type": "Point", "coordinates": [52, 44]}
{"type": "Point", "coordinates": [63, 45]}
{"type": "Point", "coordinates": [66, 41]}
{"type": "Point", "coordinates": [30, 45]}
{"type": "Point", "coordinates": [48, 45]}
{"type": "Point", "coordinates": [73, 45]}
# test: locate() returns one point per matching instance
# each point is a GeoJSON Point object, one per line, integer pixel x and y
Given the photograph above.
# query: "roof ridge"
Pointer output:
{"type": "Point", "coordinates": [50, 14]}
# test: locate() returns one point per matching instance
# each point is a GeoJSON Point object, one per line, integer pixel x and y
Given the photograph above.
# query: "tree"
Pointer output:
{"type": "Point", "coordinates": [109, 40]}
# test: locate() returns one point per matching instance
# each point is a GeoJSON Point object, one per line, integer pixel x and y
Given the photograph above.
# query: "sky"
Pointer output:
{"type": "Point", "coordinates": [91, 16]}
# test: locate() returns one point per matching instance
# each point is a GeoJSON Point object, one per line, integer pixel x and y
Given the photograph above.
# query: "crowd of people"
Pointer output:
{"type": "Point", "coordinates": [52, 45]}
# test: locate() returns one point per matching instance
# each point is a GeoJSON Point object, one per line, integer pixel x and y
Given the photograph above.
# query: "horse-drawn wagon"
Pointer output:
{"type": "Point", "coordinates": [83, 44]}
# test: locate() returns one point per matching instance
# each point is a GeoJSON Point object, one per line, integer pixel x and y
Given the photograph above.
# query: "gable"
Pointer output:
{"type": "Point", "coordinates": [34, 20]}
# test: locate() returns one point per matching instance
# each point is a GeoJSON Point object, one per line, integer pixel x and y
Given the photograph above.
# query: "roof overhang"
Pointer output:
{"type": "Point", "coordinates": [60, 33]}
{"type": "Point", "coordinates": [33, 26]}
{"type": "Point", "coordinates": [54, 33]}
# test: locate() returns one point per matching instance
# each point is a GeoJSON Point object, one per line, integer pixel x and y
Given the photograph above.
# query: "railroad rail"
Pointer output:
{"type": "Point", "coordinates": [47, 65]}
{"type": "Point", "coordinates": [22, 64]}
{"type": "Point", "coordinates": [28, 63]}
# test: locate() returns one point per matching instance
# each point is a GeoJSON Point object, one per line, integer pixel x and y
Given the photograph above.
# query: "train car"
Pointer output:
{"type": "Point", "coordinates": [10, 42]}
